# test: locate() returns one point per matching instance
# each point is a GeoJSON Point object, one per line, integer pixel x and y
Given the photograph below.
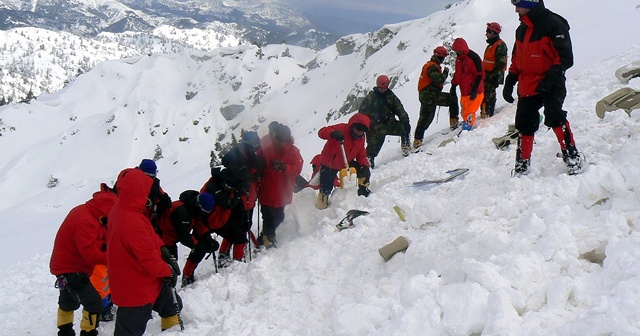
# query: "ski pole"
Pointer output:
{"type": "Point", "coordinates": [176, 305]}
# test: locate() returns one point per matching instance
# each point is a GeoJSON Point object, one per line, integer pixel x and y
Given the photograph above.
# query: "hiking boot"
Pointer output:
{"type": "Point", "coordinates": [323, 201]}
{"type": "Point", "coordinates": [187, 280]}
{"type": "Point", "coordinates": [66, 329]}
{"type": "Point", "coordinates": [267, 242]}
{"type": "Point", "coordinates": [522, 168]}
{"type": "Point", "coordinates": [224, 260]}
{"type": "Point", "coordinates": [417, 143]}
{"type": "Point", "coordinates": [453, 123]}
{"type": "Point", "coordinates": [107, 314]}
{"type": "Point", "coordinates": [270, 242]}
{"type": "Point", "coordinates": [405, 144]}
{"type": "Point", "coordinates": [573, 159]}
{"type": "Point", "coordinates": [405, 150]}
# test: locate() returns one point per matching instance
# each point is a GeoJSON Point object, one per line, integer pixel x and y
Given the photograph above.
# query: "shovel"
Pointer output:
{"type": "Point", "coordinates": [347, 171]}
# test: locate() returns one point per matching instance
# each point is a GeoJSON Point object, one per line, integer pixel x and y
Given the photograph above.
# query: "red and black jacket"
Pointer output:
{"type": "Point", "coordinates": [542, 42]}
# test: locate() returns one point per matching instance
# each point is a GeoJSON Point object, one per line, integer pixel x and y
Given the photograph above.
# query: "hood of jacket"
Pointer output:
{"type": "Point", "coordinates": [359, 118]}
{"type": "Point", "coordinates": [101, 203]}
{"type": "Point", "coordinates": [460, 45]}
{"type": "Point", "coordinates": [133, 189]}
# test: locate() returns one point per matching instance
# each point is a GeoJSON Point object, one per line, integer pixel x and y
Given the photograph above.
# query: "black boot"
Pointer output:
{"type": "Point", "coordinates": [66, 330]}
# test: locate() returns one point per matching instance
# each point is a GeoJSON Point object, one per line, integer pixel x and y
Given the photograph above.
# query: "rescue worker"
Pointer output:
{"type": "Point", "coordinates": [494, 63]}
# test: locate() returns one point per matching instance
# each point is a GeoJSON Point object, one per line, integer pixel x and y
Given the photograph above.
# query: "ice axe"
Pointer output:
{"type": "Point", "coordinates": [347, 171]}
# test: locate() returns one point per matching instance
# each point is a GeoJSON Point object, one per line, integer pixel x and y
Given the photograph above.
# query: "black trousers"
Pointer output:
{"type": "Point", "coordinates": [79, 291]}
{"type": "Point", "coordinates": [528, 115]}
{"type": "Point", "coordinates": [271, 218]}
{"type": "Point", "coordinates": [132, 321]}
{"type": "Point", "coordinates": [328, 175]}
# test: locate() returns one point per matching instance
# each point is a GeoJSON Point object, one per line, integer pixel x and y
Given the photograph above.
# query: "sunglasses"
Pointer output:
{"type": "Point", "coordinates": [491, 32]}
{"type": "Point", "coordinates": [515, 2]}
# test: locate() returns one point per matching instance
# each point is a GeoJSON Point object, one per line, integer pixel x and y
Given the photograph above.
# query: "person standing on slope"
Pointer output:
{"type": "Point", "coordinates": [387, 117]}
{"type": "Point", "coordinates": [494, 63]}
{"type": "Point", "coordinates": [542, 36]}
{"type": "Point", "coordinates": [141, 280]}
{"type": "Point", "coordinates": [430, 94]}
{"type": "Point", "coordinates": [349, 137]}
{"type": "Point", "coordinates": [275, 191]}
{"type": "Point", "coordinates": [78, 248]}
{"type": "Point", "coordinates": [469, 76]}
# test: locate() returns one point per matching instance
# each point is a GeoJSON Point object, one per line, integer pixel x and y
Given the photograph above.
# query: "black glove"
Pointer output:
{"type": "Point", "coordinates": [210, 242]}
{"type": "Point", "coordinates": [550, 79]}
{"type": "Point", "coordinates": [338, 135]}
{"type": "Point", "coordinates": [445, 72]}
{"type": "Point", "coordinates": [170, 259]}
{"type": "Point", "coordinates": [173, 279]}
{"type": "Point", "coordinates": [363, 191]}
{"type": "Point", "coordinates": [509, 83]}
{"type": "Point", "coordinates": [473, 95]}
{"type": "Point", "coordinates": [278, 165]}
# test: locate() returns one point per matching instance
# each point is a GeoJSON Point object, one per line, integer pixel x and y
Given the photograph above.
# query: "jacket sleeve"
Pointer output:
{"type": "Point", "coordinates": [562, 42]}
{"type": "Point", "coordinates": [145, 245]}
{"type": "Point", "coordinates": [89, 240]}
{"type": "Point", "coordinates": [365, 105]}
{"type": "Point", "coordinates": [437, 77]}
{"type": "Point", "coordinates": [325, 132]}
{"type": "Point", "coordinates": [182, 224]}
{"type": "Point", "coordinates": [294, 162]}
{"type": "Point", "coordinates": [398, 109]}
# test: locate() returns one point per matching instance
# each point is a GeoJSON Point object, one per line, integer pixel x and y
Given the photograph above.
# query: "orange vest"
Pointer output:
{"type": "Point", "coordinates": [489, 60]}
{"type": "Point", "coordinates": [424, 76]}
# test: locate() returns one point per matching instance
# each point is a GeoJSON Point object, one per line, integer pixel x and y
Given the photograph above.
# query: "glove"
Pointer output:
{"type": "Point", "coordinates": [173, 279]}
{"type": "Point", "coordinates": [210, 242]}
{"type": "Point", "coordinates": [509, 83]}
{"type": "Point", "coordinates": [445, 72]}
{"type": "Point", "coordinates": [338, 135]}
{"type": "Point", "coordinates": [549, 81]}
{"type": "Point", "coordinates": [278, 165]}
{"type": "Point", "coordinates": [170, 259]}
{"type": "Point", "coordinates": [363, 191]}
{"type": "Point", "coordinates": [473, 95]}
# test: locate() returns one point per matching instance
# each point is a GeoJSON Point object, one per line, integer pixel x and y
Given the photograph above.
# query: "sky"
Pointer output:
{"type": "Point", "coordinates": [347, 17]}
{"type": "Point", "coordinates": [544, 254]}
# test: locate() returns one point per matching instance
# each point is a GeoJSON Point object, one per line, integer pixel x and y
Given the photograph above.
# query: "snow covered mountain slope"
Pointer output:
{"type": "Point", "coordinates": [489, 254]}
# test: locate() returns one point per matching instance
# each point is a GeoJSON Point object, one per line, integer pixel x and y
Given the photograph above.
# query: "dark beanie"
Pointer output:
{"type": "Point", "coordinates": [251, 138]}
{"type": "Point", "coordinates": [148, 167]}
{"type": "Point", "coordinates": [526, 3]}
{"type": "Point", "coordinates": [206, 202]}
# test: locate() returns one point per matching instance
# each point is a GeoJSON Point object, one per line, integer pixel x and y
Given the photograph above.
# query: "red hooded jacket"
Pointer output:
{"type": "Point", "coordinates": [136, 268]}
{"type": "Point", "coordinates": [468, 68]}
{"type": "Point", "coordinates": [331, 155]}
{"type": "Point", "coordinates": [276, 188]}
{"type": "Point", "coordinates": [78, 246]}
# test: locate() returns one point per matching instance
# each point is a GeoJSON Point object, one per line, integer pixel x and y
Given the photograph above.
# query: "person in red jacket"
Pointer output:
{"type": "Point", "coordinates": [351, 137]}
{"type": "Point", "coordinates": [542, 36]}
{"type": "Point", "coordinates": [469, 76]}
{"type": "Point", "coordinates": [78, 247]}
{"type": "Point", "coordinates": [141, 281]}
{"type": "Point", "coordinates": [275, 191]}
